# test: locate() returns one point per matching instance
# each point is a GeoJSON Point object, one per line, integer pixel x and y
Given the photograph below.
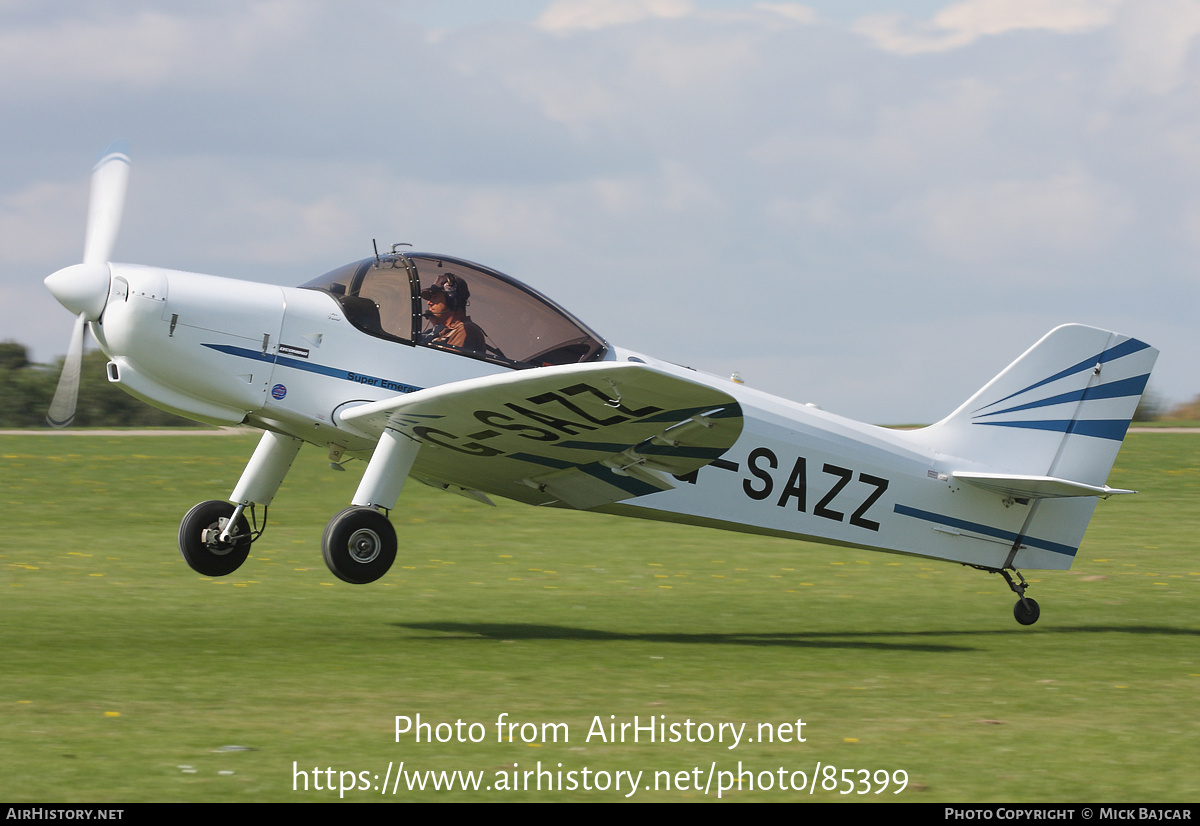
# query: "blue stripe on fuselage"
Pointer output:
{"type": "Point", "coordinates": [320, 369]}
{"type": "Point", "coordinates": [986, 530]}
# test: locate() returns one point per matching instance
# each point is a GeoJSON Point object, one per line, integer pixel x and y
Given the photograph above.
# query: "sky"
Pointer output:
{"type": "Point", "coordinates": [869, 206]}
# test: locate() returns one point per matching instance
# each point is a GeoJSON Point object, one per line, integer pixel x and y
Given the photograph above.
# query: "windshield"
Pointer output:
{"type": "Point", "coordinates": [447, 303]}
{"type": "Point", "coordinates": [376, 295]}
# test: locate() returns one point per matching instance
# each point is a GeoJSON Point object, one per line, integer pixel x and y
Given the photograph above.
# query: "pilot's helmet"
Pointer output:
{"type": "Point", "coordinates": [451, 286]}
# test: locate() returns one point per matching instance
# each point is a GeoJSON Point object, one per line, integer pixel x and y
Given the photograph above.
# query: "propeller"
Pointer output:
{"type": "Point", "coordinates": [62, 408]}
{"type": "Point", "coordinates": [83, 288]}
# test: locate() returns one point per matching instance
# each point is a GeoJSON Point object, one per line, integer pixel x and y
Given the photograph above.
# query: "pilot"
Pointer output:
{"type": "Point", "coordinates": [447, 299]}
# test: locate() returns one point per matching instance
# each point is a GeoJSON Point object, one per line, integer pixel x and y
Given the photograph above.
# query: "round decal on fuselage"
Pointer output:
{"type": "Point", "coordinates": [278, 392]}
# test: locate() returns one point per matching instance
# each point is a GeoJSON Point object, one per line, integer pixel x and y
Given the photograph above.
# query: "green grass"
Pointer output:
{"type": "Point", "coordinates": [125, 674]}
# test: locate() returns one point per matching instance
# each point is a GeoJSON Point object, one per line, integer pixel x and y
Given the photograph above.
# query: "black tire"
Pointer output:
{"type": "Point", "coordinates": [1027, 611]}
{"type": "Point", "coordinates": [212, 557]}
{"type": "Point", "coordinates": [359, 545]}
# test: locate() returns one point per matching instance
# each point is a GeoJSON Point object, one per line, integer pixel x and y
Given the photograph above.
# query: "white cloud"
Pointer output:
{"type": "Point", "coordinates": [30, 224]}
{"type": "Point", "coordinates": [963, 23]}
{"type": "Point", "coordinates": [581, 104]}
{"type": "Point", "coordinates": [147, 48]}
{"type": "Point", "coordinates": [495, 218]}
{"type": "Point", "coordinates": [571, 15]}
{"type": "Point", "coordinates": [607, 86]}
{"type": "Point", "coordinates": [822, 210]}
{"type": "Point", "coordinates": [1069, 214]}
{"type": "Point", "coordinates": [793, 12]}
{"type": "Point", "coordinates": [1154, 38]}
{"type": "Point", "coordinates": [709, 64]}
{"type": "Point", "coordinates": [676, 189]}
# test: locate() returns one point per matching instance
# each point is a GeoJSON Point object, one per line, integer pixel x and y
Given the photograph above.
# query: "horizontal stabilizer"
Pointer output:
{"type": "Point", "coordinates": [1037, 487]}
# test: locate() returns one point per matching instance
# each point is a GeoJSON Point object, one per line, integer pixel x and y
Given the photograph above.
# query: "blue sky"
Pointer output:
{"type": "Point", "coordinates": [870, 206]}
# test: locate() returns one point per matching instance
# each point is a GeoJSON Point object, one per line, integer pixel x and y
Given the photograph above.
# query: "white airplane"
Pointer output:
{"type": "Point", "coordinates": [378, 360]}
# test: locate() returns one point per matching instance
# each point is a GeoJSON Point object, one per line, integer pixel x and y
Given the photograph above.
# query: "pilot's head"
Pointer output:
{"type": "Point", "coordinates": [449, 291]}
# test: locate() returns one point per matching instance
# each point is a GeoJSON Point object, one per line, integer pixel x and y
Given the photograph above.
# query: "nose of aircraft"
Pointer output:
{"type": "Point", "coordinates": [81, 288]}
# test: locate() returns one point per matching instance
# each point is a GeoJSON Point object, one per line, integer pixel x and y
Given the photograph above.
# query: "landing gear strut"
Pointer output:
{"type": "Point", "coordinates": [359, 545]}
{"type": "Point", "coordinates": [209, 544]}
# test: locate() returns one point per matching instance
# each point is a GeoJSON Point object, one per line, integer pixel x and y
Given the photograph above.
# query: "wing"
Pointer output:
{"type": "Point", "coordinates": [581, 435]}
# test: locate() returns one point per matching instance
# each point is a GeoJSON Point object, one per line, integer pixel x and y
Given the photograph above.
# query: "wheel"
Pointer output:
{"type": "Point", "coordinates": [359, 545]}
{"type": "Point", "coordinates": [1027, 611]}
{"type": "Point", "coordinates": [200, 545]}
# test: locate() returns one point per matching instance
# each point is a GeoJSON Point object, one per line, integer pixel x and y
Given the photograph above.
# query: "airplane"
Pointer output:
{"type": "Point", "coordinates": [434, 368]}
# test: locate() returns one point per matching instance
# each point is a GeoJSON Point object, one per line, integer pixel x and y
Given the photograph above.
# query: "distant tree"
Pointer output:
{"type": "Point", "coordinates": [1188, 411]}
{"type": "Point", "coordinates": [27, 388]}
{"type": "Point", "coordinates": [13, 356]}
{"type": "Point", "coordinates": [1149, 408]}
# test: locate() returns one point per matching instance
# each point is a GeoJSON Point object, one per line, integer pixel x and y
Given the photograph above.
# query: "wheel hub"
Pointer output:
{"type": "Point", "coordinates": [211, 537]}
{"type": "Point", "coordinates": [364, 545]}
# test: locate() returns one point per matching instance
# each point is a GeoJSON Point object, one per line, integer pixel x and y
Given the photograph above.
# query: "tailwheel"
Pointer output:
{"type": "Point", "coordinates": [1027, 611]}
{"type": "Point", "coordinates": [359, 545]}
{"type": "Point", "coordinates": [200, 539]}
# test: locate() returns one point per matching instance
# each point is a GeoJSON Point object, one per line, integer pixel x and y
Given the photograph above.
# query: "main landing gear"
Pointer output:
{"type": "Point", "coordinates": [215, 536]}
{"type": "Point", "coordinates": [359, 545]}
{"type": "Point", "coordinates": [210, 544]}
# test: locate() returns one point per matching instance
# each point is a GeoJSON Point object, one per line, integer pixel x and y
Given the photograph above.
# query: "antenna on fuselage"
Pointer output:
{"type": "Point", "coordinates": [375, 244]}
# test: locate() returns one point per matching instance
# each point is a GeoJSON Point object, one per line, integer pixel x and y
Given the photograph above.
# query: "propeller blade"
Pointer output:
{"type": "Point", "coordinates": [109, 179]}
{"type": "Point", "coordinates": [62, 408]}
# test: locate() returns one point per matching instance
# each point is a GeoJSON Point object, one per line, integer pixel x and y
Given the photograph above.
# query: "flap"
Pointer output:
{"type": "Point", "coordinates": [581, 434]}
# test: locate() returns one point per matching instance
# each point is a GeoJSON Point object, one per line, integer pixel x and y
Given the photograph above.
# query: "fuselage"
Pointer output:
{"type": "Point", "coordinates": [289, 360]}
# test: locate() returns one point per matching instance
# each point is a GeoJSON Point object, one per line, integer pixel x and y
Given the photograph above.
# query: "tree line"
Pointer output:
{"type": "Point", "coordinates": [26, 389]}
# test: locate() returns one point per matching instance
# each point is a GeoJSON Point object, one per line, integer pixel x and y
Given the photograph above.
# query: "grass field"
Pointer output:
{"type": "Point", "coordinates": [127, 678]}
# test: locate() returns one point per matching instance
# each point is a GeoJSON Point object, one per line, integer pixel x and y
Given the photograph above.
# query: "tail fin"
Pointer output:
{"type": "Point", "coordinates": [1060, 410]}
{"type": "Point", "coordinates": [1047, 429]}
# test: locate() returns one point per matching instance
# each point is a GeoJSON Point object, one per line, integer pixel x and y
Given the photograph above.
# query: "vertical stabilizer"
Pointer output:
{"type": "Point", "coordinates": [1060, 410]}
{"type": "Point", "coordinates": [1057, 415]}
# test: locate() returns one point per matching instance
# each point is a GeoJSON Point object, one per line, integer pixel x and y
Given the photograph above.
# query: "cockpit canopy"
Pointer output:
{"type": "Point", "coordinates": [520, 327]}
